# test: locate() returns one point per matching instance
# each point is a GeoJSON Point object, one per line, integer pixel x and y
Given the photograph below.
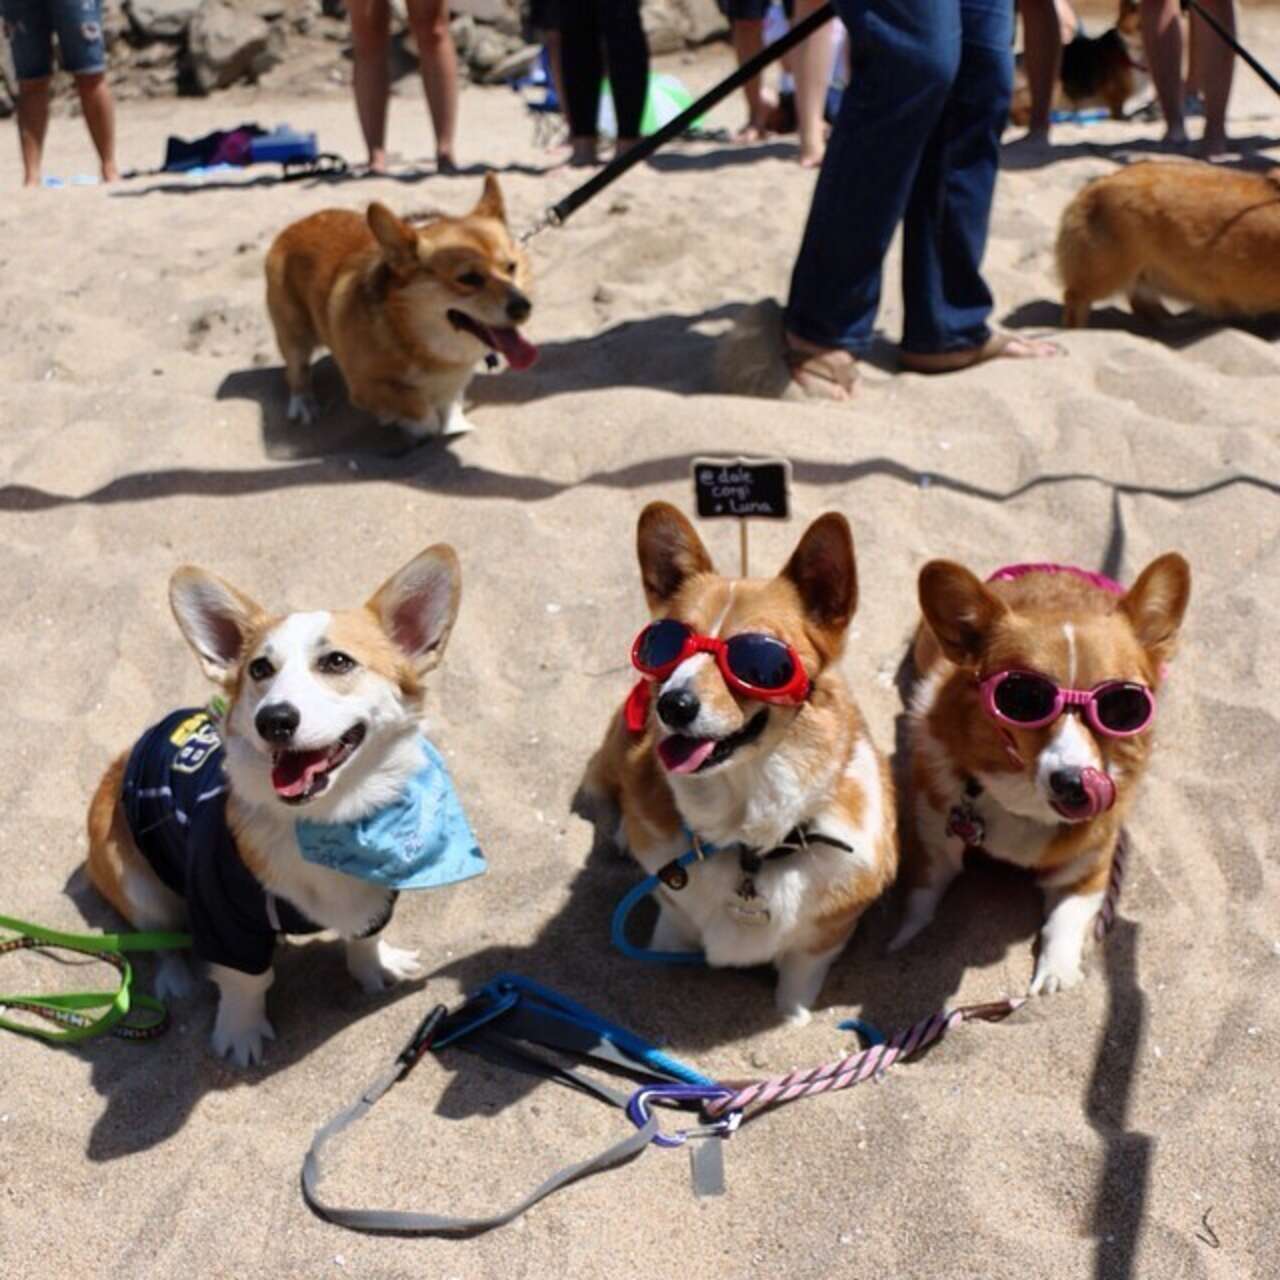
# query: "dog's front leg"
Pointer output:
{"type": "Point", "coordinates": [241, 1025]}
{"type": "Point", "coordinates": [934, 863]}
{"type": "Point", "coordinates": [376, 965]}
{"type": "Point", "coordinates": [1070, 915]}
{"type": "Point", "coordinates": [800, 978]}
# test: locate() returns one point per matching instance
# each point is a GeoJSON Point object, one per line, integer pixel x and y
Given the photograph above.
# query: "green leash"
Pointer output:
{"type": "Point", "coordinates": [149, 1016]}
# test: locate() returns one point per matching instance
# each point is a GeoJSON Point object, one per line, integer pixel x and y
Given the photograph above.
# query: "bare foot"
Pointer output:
{"type": "Point", "coordinates": [1033, 139]}
{"type": "Point", "coordinates": [582, 152]}
{"type": "Point", "coordinates": [822, 373]}
{"type": "Point", "coordinates": [1000, 346]}
{"type": "Point", "coordinates": [110, 173]}
{"type": "Point", "coordinates": [378, 160]}
{"type": "Point", "coordinates": [1213, 145]}
{"type": "Point", "coordinates": [1175, 137]}
{"type": "Point", "coordinates": [446, 164]}
{"type": "Point", "coordinates": [750, 133]}
{"type": "Point", "coordinates": [810, 157]}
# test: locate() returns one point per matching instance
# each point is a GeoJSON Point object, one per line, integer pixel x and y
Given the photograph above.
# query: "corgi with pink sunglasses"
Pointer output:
{"type": "Point", "coordinates": [1030, 728]}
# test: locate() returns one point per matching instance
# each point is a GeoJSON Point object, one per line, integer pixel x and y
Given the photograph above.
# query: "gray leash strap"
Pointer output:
{"type": "Point", "coordinates": [405, 1222]}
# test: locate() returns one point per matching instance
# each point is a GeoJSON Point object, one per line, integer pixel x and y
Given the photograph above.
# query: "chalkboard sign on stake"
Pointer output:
{"type": "Point", "coordinates": [742, 489]}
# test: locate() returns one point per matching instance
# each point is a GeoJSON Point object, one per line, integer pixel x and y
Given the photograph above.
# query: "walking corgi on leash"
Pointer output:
{"type": "Point", "coordinates": [1196, 233]}
{"type": "Point", "coordinates": [407, 311]}
{"type": "Point", "coordinates": [1030, 728]}
{"type": "Point", "coordinates": [742, 732]}
{"type": "Point", "coordinates": [304, 805]}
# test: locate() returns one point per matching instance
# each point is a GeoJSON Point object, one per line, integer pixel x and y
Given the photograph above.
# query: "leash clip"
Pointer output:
{"type": "Point", "coordinates": [420, 1041]}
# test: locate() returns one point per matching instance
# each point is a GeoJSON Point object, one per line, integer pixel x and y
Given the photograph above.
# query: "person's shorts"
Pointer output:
{"type": "Point", "coordinates": [32, 24]}
{"type": "Point", "coordinates": [750, 10]}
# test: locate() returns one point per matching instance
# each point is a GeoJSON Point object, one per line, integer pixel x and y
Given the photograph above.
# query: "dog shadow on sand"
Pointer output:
{"type": "Point", "coordinates": [151, 1089]}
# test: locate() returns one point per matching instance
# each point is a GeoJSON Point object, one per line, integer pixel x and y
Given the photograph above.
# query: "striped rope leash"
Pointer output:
{"type": "Point", "coordinates": [856, 1067]}
{"type": "Point", "coordinates": [1106, 916]}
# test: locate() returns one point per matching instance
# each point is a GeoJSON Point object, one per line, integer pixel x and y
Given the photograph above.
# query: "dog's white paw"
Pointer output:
{"type": "Point", "coordinates": [456, 422]}
{"type": "Point", "coordinates": [1055, 973]}
{"type": "Point", "coordinates": [173, 978]}
{"type": "Point", "coordinates": [379, 967]}
{"type": "Point", "coordinates": [302, 409]}
{"type": "Point", "coordinates": [795, 1015]}
{"type": "Point", "coordinates": [241, 1041]}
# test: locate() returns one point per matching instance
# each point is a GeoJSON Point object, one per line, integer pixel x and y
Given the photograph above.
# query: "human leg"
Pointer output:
{"type": "Point", "coordinates": [100, 116]}
{"type": "Point", "coordinates": [627, 52]}
{"type": "Point", "coordinates": [946, 300]}
{"type": "Point", "coordinates": [84, 54]}
{"type": "Point", "coordinates": [371, 76]}
{"type": "Point", "coordinates": [1042, 39]}
{"type": "Point", "coordinates": [905, 54]}
{"type": "Point", "coordinates": [1162, 39]}
{"type": "Point", "coordinates": [33, 124]}
{"type": "Point", "coordinates": [1216, 66]}
{"type": "Point", "coordinates": [438, 65]}
{"type": "Point", "coordinates": [748, 40]}
{"type": "Point", "coordinates": [582, 65]}
{"type": "Point", "coordinates": [29, 27]}
{"type": "Point", "coordinates": [812, 71]}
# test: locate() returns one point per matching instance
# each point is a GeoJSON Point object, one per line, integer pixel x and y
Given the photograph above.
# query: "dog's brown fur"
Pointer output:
{"type": "Point", "coordinates": [1196, 233]}
{"type": "Point", "coordinates": [377, 292]}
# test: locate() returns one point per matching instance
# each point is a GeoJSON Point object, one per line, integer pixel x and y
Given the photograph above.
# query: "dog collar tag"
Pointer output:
{"type": "Point", "coordinates": [964, 823]}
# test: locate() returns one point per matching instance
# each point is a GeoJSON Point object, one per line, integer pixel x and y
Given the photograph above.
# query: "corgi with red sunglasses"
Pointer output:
{"type": "Point", "coordinates": [1030, 728]}
{"type": "Point", "coordinates": [740, 734]}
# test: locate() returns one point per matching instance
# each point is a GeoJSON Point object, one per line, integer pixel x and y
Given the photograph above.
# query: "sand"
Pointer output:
{"type": "Point", "coordinates": [142, 404]}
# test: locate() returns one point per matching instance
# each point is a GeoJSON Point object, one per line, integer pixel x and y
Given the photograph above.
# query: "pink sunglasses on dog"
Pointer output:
{"type": "Point", "coordinates": [1028, 700]}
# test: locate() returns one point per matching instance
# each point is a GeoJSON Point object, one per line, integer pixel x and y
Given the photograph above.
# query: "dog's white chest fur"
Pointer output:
{"type": "Point", "coordinates": [328, 898]}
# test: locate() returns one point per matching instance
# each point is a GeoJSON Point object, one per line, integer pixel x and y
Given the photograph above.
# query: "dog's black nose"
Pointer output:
{"type": "Point", "coordinates": [679, 707]}
{"type": "Point", "coordinates": [518, 307]}
{"type": "Point", "coordinates": [277, 721]}
{"type": "Point", "coordinates": [1068, 786]}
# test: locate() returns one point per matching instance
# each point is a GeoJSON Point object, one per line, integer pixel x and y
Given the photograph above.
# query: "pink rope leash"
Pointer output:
{"type": "Point", "coordinates": [1106, 916]}
{"type": "Point", "coordinates": [857, 1067]}
{"type": "Point", "coordinates": [854, 1068]}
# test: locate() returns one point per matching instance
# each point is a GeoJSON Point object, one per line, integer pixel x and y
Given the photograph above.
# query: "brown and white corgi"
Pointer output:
{"type": "Point", "coordinates": [743, 736]}
{"type": "Point", "coordinates": [408, 311]}
{"type": "Point", "coordinates": [1191, 232]}
{"type": "Point", "coordinates": [198, 826]}
{"type": "Point", "coordinates": [1030, 729]}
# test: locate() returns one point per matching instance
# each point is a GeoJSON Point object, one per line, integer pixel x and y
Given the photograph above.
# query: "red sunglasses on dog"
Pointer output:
{"type": "Point", "coordinates": [752, 664]}
{"type": "Point", "coordinates": [1028, 700]}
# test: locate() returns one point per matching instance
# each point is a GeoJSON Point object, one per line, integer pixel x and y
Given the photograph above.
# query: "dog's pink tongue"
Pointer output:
{"type": "Point", "coordinates": [684, 755]}
{"type": "Point", "coordinates": [1100, 790]}
{"type": "Point", "coordinates": [520, 353]}
{"type": "Point", "coordinates": [293, 771]}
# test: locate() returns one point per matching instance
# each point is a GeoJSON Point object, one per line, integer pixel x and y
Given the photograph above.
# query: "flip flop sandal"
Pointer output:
{"type": "Point", "coordinates": [996, 347]}
{"type": "Point", "coordinates": [817, 372]}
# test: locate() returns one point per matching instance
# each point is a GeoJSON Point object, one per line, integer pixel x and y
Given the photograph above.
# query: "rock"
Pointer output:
{"type": "Point", "coordinates": [503, 15]}
{"type": "Point", "coordinates": [703, 20]}
{"type": "Point", "coordinates": [161, 19]}
{"type": "Point", "coordinates": [226, 44]}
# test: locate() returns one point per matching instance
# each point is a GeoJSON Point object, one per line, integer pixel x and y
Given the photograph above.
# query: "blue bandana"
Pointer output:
{"type": "Point", "coordinates": [420, 841]}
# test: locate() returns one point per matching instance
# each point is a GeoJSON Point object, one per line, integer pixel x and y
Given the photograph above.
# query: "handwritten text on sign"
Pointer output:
{"type": "Point", "coordinates": [742, 488]}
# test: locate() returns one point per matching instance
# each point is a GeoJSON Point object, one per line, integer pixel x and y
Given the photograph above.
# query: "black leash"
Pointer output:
{"type": "Point", "coordinates": [1201, 12]}
{"type": "Point", "coordinates": [561, 212]}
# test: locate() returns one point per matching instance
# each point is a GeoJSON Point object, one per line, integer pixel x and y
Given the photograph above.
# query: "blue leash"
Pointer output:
{"type": "Point", "coordinates": [623, 910]}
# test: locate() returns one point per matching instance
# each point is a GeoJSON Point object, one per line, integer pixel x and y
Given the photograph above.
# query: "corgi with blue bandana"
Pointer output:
{"type": "Point", "coordinates": [306, 799]}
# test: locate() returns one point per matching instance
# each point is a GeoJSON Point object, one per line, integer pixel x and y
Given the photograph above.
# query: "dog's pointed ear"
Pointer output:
{"type": "Point", "coordinates": [417, 605]}
{"type": "Point", "coordinates": [1155, 604]}
{"type": "Point", "coordinates": [491, 203]}
{"type": "Point", "coordinates": [825, 572]}
{"type": "Point", "coordinates": [397, 239]}
{"type": "Point", "coordinates": [217, 620]}
{"type": "Point", "coordinates": [670, 552]}
{"type": "Point", "coordinates": [960, 610]}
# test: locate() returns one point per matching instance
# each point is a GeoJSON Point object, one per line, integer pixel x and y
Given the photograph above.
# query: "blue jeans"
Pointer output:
{"type": "Point", "coordinates": [917, 141]}
{"type": "Point", "coordinates": [31, 24]}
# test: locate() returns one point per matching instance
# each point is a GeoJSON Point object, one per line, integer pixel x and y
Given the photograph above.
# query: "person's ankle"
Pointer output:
{"type": "Point", "coordinates": [582, 150]}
